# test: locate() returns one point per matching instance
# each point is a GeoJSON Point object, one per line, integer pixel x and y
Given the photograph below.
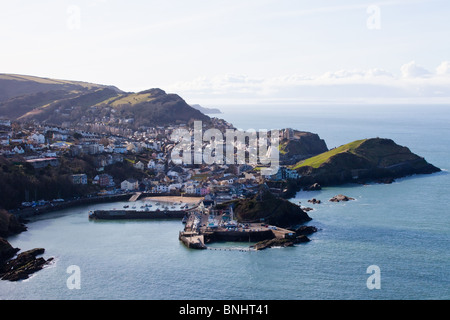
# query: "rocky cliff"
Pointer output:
{"type": "Point", "coordinates": [268, 208]}
{"type": "Point", "coordinates": [9, 224]}
{"type": "Point", "coordinates": [299, 146]}
{"type": "Point", "coordinates": [362, 161]}
{"type": "Point", "coordinates": [20, 267]}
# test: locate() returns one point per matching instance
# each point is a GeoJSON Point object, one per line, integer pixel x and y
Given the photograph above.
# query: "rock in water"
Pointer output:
{"type": "Point", "coordinates": [277, 242]}
{"type": "Point", "coordinates": [313, 187]}
{"type": "Point", "coordinates": [305, 230]}
{"type": "Point", "coordinates": [273, 243]}
{"type": "Point", "coordinates": [23, 265]}
{"type": "Point", "coordinates": [340, 197]}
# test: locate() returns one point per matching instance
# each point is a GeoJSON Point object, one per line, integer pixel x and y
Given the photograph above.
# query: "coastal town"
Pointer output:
{"type": "Point", "coordinates": [147, 150]}
{"type": "Point", "coordinates": [143, 157]}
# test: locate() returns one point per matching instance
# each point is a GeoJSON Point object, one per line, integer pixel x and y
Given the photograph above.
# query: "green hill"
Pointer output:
{"type": "Point", "coordinates": [320, 159]}
{"type": "Point", "coordinates": [58, 102]}
{"type": "Point", "coordinates": [361, 161]}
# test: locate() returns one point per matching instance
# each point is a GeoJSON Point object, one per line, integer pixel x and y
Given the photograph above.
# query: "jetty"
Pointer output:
{"type": "Point", "coordinates": [135, 196]}
{"type": "Point", "coordinates": [192, 240]}
{"type": "Point", "coordinates": [136, 214]}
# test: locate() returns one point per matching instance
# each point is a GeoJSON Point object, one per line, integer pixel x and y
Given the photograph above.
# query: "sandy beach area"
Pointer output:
{"type": "Point", "coordinates": [175, 199]}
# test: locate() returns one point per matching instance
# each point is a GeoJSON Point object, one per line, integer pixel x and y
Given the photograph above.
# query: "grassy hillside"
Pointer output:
{"type": "Point", "coordinates": [318, 160]}
{"type": "Point", "coordinates": [56, 102]}
{"type": "Point", "coordinates": [13, 85]}
{"type": "Point", "coordinates": [39, 80]}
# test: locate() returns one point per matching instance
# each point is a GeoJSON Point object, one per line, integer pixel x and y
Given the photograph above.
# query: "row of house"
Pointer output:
{"type": "Point", "coordinates": [42, 150]}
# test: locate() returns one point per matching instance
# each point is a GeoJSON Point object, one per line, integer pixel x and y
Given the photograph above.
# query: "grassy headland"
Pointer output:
{"type": "Point", "coordinates": [318, 160]}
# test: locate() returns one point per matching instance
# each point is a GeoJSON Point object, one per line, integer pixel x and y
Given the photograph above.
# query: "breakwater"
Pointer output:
{"type": "Point", "coordinates": [136, 214]}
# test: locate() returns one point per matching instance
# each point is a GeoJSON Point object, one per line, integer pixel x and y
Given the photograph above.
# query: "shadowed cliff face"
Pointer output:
{"type": "Point", "coordinates": [304, 145]}
{"type": "Point", "coordinates": [367, 160]}
{"type": "Point", "coordinates": [9, 224]}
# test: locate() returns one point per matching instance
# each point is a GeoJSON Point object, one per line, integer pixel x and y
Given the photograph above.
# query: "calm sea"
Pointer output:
{"type": "Point", "coordinates": [403, 228]}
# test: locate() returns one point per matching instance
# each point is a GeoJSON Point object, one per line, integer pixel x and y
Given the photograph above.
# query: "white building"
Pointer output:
{"type": "Point", "coordinates": [151, 164]}
{"type": "Point", "coordinates": [139, 165]}
{"type": "Point", "coordinates": [174, 187]}
{"type": "Point", "coordinates": [37, 138]}
{"type": "Point", "coordinates": [190, 189]}
{"type": "Point", "coordinates": [162, 188]}
{"type": "Point", "coordinates": [129, 184]}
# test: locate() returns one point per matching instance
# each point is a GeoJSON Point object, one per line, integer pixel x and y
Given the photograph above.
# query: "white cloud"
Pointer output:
{"type": "Point", "coordinates": [414, 82]}
{"type": "Point", "coordinates": [413, 70]}
{"type": "Point", "coordinates": [443, 68]}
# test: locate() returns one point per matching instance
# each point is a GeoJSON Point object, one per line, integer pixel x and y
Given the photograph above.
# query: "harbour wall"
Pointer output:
{"type": "Point", "coordinates": [134, 214]}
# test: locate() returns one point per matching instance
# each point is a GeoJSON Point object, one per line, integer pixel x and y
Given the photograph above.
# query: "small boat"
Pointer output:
{"type": "Point", "coordinates": [126, 206]}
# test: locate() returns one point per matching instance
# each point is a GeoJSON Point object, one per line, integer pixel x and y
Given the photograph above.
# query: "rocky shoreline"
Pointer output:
{"type": "Point", "coordinates": [28, 262]}
{"type": "Point", "coordinates": [300, 237]}
{"type": "Point", "coordinates": [25, 263]}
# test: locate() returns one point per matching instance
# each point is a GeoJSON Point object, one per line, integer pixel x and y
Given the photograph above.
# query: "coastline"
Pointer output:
{"type": "Point", "coordinates": [163, 197]}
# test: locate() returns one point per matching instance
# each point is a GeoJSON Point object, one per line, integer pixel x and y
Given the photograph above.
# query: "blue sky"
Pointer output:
{"type": "Point", "coordinates": [220, 51]}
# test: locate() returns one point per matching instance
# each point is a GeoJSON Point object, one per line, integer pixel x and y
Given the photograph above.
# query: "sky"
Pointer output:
{"type": "Point", "coordinates": [237, 51]}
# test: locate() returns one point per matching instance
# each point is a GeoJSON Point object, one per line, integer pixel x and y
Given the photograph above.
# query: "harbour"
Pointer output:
{"type": "Point", "coordinates": [207, 225]}
{"type": "Point", "coordinates": [203, 224]}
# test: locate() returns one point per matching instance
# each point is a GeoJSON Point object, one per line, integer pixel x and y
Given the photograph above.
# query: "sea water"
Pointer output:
{"type": "Point", "coordinates": [403, 228]}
